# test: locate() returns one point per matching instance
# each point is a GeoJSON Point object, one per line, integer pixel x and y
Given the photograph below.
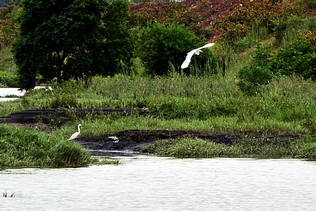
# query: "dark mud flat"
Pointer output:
{"type": "Point", "coordinates": [132, 142]}
{"type": "Point", "coordinates": [129, 142]}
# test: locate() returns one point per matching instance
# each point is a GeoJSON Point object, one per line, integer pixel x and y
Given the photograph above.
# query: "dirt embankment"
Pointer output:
{"type": "Point", "coordinates": [128, 141]}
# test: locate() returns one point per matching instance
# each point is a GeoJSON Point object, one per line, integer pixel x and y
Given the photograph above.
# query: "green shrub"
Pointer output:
{"type": "Point", "coordinates": [161, 44]}
{"type": "Point", "coordinates": [298, 58]}
{"type": "Point", "coordinates": [251, 78]}
{"type": "Point", "coordinates": [8, 80]}
{"type": "Point", "coordinates": [117, 47]}
{"type": "Point", "coordinates": [61, 41]}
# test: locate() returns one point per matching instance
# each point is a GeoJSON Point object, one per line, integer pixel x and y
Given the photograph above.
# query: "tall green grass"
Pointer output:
{"type": "Point", "coordinates": [286, 104]}
{"type": "Point", "coordinates": [23, 148]}
{"type": "Point", "coordinates": [109, 125]}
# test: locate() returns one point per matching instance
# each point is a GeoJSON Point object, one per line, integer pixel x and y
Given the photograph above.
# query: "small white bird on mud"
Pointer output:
{"type": "Point", "coordinates": [114, 138]}
{"type": "Point", "coordinates": [76, 134]}
{"type": "Point", "coordinates": [197, 51]}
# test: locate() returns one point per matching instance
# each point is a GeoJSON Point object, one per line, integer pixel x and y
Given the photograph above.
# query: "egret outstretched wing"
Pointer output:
{"type": "Point", "coordinates": [187, 60]}
{"type": "Point", "coordinates": [206, 46]}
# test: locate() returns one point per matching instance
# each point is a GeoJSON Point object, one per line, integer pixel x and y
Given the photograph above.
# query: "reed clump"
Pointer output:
{"type": "Point", "coordinates": [24, 148]}
{"type": "Point", "coordinates": [8, 194]}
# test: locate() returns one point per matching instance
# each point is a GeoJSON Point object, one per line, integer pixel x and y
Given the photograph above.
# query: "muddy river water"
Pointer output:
{"type": "Point", "coordinates": [153, 183]}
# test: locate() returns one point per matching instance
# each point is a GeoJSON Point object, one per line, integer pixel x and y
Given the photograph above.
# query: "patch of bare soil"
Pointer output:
{"type": "Point", "coordinates": [128, 142]}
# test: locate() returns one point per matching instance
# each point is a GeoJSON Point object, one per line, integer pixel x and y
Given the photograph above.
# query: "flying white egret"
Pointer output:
{"type": "Point", "coordinates": [197, 51]}
{"type": "Point", "coordinates": [76, 134]}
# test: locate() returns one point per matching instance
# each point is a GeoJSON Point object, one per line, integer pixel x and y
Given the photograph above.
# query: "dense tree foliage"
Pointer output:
{"type": "Point", "coordinates": [68, 39]}
{"type": "Point", "coordinates": [59, 40]}
{"type": "Point", "coordinates": [118, 46]}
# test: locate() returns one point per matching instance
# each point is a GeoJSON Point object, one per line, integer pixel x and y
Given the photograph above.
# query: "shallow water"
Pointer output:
{"type": "Point", "coordinates": [15, 91]}
{"type": "Point", "coordinates": [11, 91]}
{"type": "Point", "coordinates": [5, 99]}
{"type": "Point", "coordinates": [152, 183]}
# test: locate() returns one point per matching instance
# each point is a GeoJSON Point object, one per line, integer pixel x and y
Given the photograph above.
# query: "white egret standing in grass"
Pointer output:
{"type": "Point", "coordinates": [76, 134]}
{"type": "Point", "coordinates": [197, 51]}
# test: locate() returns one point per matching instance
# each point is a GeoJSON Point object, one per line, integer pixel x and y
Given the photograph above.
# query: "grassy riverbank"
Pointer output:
{"type": "Point", "coordinates": [205, 104]}
{"type": "Point", "coordinates": [245, 148]}
{"type": "Point", "coordinates": [210, 104]}
{"type": "Point", "coordinates": [24, 148]}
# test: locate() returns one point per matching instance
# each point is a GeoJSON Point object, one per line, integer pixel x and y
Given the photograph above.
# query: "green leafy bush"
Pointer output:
{"type": "Point", "coordinates": [160, 44]}
{"type": "Point", "coordinates": [8, 80]}
{"type": "Point", "coordinates": [65, 101]}
{"type": "Point", "coordinates": [252, 77]}
{"type": "Point", "coordinates": [58, 40]}
{"type": "Point", "coordinates": [118, 44]}
{"type": "Point", "coordinates": [298, 58]}
{"type": "Point", "coordinates": [65, 94]}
